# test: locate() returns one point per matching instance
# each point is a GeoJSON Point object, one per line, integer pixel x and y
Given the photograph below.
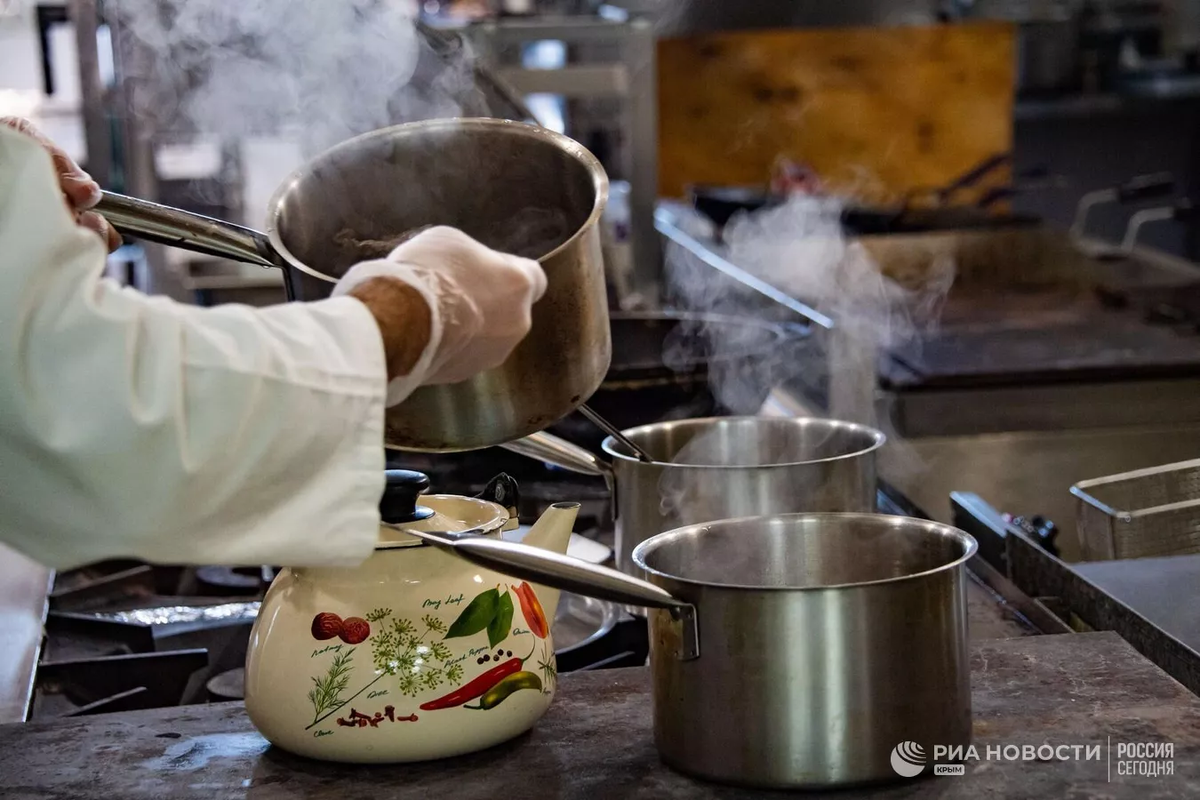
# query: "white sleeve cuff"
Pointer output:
{"type": "Point", "coordinates": [401, 387]}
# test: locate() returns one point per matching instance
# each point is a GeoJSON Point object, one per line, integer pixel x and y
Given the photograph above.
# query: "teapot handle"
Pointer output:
{"type": "Point", "coordinates": [503, 491]}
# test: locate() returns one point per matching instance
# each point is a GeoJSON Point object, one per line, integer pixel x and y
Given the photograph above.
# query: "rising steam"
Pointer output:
{"type": "Point", "coordinates": [800, 248]}
{"type": "Point", "coordinates": [321, 71]}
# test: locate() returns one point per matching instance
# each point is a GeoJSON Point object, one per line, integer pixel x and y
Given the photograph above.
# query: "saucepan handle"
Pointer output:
{"type": "Point", "coordinates": [183, 229]}
{"type": "Point", "coordinates": [570, 575]}
{"type": "Point", "coordinates": [553, 450]}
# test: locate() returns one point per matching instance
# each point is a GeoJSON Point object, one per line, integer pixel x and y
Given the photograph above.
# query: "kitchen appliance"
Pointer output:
{"type": "Point", "coordinates": [1140, 514]}
{"type": "Point", "coordinates": [723, 468]}
{"type": "Point", "coordinates": [790, 651]}
{"type": "Point", "coordinates": [411, 655]}
{"type": "Point", "coordinates": [519, 188]}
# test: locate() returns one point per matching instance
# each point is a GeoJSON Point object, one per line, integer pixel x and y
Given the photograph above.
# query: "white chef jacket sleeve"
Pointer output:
{"type": "Point", "coordinates": [134, 426]}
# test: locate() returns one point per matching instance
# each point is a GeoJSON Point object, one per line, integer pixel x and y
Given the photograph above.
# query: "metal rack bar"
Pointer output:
{"type": "Point", "coordinates": [632, 77]}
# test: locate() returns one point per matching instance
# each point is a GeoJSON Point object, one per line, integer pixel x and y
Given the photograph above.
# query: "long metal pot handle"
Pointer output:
{"type": "Point", "coordinates": [183, 229]}
{"type": "Point", "coordinates": [546, 447]}
{"type": "Point", "coordinates": [570, 575]}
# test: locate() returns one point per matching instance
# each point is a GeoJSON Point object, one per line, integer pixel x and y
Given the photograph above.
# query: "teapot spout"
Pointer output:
{"type": "Point", "coordinates": [552, 532]}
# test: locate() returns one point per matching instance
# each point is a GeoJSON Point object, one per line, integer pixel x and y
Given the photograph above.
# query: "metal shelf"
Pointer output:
{"type": "Point", "coordinates": [631, 77]}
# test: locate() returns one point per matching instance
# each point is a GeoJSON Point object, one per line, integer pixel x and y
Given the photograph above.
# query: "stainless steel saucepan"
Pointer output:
{"type": "Point", "coordinates": [724, 468]}
{"type": "Point", "coordinates": [790, 651]}
{"type": "Point", "coordinates": [518, 188]}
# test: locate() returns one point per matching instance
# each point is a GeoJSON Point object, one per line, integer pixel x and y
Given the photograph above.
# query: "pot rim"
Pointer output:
{"type": "Point", "coordinates": [573, 148]}
{"type": "Point", "coordinates": [969, 546]}
{"type": "Point", "coordinates": [610, 445]}
{"type": "Point", "coordinates": [488, 528]}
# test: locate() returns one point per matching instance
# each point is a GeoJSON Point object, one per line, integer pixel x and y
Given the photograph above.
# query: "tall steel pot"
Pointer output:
{"type": "Point", "coordinates": [791, 651]}
{"type": "Point", "coordinates": [724, 468]}
{"type": "Point", "coordinates": [516, 187]}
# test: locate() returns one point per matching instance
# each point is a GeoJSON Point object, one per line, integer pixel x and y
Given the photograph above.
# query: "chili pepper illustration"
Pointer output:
{"type": "Point", "coordinates": [501, 691]}
{"type": "Point", "coordinates": [478, 686]}
{"type": "Point", "coordinates": [532, 609]}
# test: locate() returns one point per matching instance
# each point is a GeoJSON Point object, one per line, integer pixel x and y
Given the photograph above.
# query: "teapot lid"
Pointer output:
{"type": "Point", "coordinates": [399, 502]}
{"type": "Point", "coordinates": [403, 507]}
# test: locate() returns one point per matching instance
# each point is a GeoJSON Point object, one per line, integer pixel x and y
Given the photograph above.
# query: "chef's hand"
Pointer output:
{"type": "Point", "coordinates": [79, 190]}
{"type": "Point", "coordinates": [481, 301]}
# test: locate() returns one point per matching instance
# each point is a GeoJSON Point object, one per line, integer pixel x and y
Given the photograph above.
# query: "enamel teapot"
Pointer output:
{"type": "Point", "coordinates": [415, 654]}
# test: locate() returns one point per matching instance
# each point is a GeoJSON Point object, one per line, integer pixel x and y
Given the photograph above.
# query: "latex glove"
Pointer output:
{"type": "Point", "coordinates": [481, 301]}
{"type": "Point", "coordinates": [79, 190]}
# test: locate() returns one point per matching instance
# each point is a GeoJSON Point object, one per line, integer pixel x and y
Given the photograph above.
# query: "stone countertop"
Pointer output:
{"type": "Point", "coordinates": [596, 742]}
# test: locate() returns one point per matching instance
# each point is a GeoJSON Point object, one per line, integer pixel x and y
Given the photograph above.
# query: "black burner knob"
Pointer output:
{"type": "Point", "coordinates": [399, 502]}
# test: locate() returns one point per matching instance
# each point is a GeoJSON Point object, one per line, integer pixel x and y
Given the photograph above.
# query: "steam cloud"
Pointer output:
{"type": "Point", "coordinates": [800, 248]}
{"type": "Point", "coordinates": [322, 71]}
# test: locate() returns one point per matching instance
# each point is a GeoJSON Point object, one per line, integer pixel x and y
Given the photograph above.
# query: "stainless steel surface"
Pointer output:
{"type": "Point", "coordinates": [826, 640]}
{"type": "Point", "coordinates": [1140, 187]}
{"type": "Point", "coordinates": [1140, 219]}
{"type": "Point", "coordinates": [1166, 591]}
{"type": "Point", "coordinates": [175, 227]}
{"type": "Point", "coordinates": [723, 468]}
{"type": "Point", "coordinates": [559, 452]}
{"type": "Point", "coordinates": [1140, 514]}
{"type": "Point", "coordinates": [729, 467]}
{"type": "Point", "coordinates": [169, 615]}
{"type": "Point", "coordinates": [1027, 472]}
{"type": "Point", "coordinates": [1056, 408]}
{"type": "Point", "coordinates": [579, 621]}
{"type": "Point", "coordinates": [606, 426]}
{"type": "Point", "coordinates": [512, 186]}
{"type": "Point", "coordinates": [24, 588]}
